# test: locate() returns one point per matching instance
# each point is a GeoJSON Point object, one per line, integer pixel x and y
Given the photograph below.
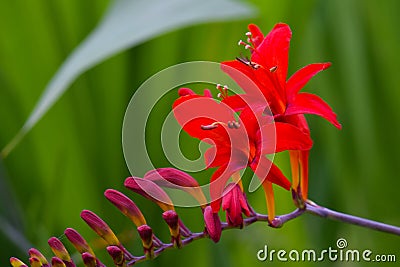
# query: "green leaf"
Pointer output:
{"type": "Point", "coordinates": [126, 24]}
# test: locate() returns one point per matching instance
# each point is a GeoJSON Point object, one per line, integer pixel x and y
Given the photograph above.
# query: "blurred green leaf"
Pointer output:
{"type": "Point", "coordinates": [128, 23]}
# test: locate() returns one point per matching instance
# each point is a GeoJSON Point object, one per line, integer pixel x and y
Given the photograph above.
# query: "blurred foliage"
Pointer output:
{"type": "Point", "coordinates": [74, 153]}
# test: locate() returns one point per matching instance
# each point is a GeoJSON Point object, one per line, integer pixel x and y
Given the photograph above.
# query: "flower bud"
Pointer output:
{"type": "Point", "coordinates": [35, 262]}
{"type": "Point", "coordinates": [117, 255]}
{"type": "Point", "coordinates": [213, 224]}
{"type": "Point", "coordinates": [100, 227]}
{"type": "Point", "coordinates": [34, 253]}
{"type": "Point", "coordinates": [89, 260]}
{"type": "Point", "coordinates": [57, 262]}
{"type": "Point", "coordinates": [60, 251]}
{"type": "Point", "coordinates": [172, 219]}
{"type": "Point", "coordinates": [146, 234]}
{"type": "Point", "coordinates": [234, 202]}
{"type": "Point", "coordinates": [177, 179]}
{"type": "Point", "coordinates": [15, 262]}
{"type": "Point", "coordinates": [149, 190]}
{"type": "Point", "coordinates": [126, 206]}
{"type": "Point", "coordinates": [78, 241]}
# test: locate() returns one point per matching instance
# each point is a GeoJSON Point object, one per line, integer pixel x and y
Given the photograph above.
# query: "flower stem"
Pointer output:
{"type": "Point", "coordinates": [346, 218]}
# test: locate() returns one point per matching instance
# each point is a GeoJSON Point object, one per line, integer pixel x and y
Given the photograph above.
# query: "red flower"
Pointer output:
{"type": "Point", "coordinates": [237, 144]}
{"type": "Point", "coordinates": [268, 68]}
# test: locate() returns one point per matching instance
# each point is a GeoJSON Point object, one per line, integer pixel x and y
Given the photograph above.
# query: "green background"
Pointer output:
{"type": "Point", "coordinates": [74, 153]}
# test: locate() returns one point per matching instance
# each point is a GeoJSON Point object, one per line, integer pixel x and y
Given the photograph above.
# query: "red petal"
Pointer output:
{"type": "Point", "coordinates": [265, 169]}
{"type": "Point", "coordinates": [236, 102]}
{"type": "Point", "coordinates": [288, 137]}
{"type": "Point", "coordinates": [299, 79]}
{"type": "Point", "coordinates": [247, 78]}
{"type": "Point", "coordinates": [256, 35]}
{"type": "Point", "coordinates": [194, 111]}
{"type": "Point", "coordinates": [312, 104]}
{"type": "Point", "coordinates": [219, 179]}
{"type": "Point", "coordinates": [216, 157]}
{"type": "Point", "coordinates": [274, 51]}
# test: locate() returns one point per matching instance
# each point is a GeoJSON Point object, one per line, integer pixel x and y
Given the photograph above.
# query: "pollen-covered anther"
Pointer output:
{"type": "Point", "coordinates": [248, 34]}
{"type": "Point", "coordinates": [233, 124]}
{"type": "Point", "coordinates": [273, 69]}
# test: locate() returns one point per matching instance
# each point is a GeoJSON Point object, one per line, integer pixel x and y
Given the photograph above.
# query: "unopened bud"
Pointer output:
{"type": "Point", "coordinates": [117, 255]}
{"type": "Point", "coordinates": [126, 206]}
{"type": "Point", "coordinates": [89, 260]}
{"type": "Point", "coordinates": [213, 224]}
{"type": "Point", "coordinates": [60, 251]}
{"type": "Point", "coordinates": [34, 253]}
{"type": "Point", "coordinates": [100, 227]}
{"type": "Point", "coordinates": [172, 219]}
{"type": "Point", "coordinates": [78, 241]}
{"type": "Point", "coordinates": [15, 262]}
{"type": "Point", "coordinates": [146, 234]}
{"type": "Point", "coordinates": [57, 262]}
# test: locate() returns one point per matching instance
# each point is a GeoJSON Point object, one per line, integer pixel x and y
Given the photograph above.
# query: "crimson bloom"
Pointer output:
{"type": "Point", "coordinates": [237, 144]}
{"type": "Point", "coordinates": [268, 68]}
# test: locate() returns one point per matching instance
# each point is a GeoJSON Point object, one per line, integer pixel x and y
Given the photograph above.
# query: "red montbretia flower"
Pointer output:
{"type": "Point", "coordinates": [237, 144]}
{"type": "Point", "coordinates": [267, 68]}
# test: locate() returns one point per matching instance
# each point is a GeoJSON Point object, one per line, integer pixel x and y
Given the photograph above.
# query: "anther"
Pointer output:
{"type": "Point", "coordinates": [273, 69]}
{"type": "Point", "coordinates": [233, 125]}
{"type": "Point", "coordinates": [219, 95]}
{"type": "Point", "coordinates": [247, 46]}
{"type": "Point", "coordinates": [248, 33]}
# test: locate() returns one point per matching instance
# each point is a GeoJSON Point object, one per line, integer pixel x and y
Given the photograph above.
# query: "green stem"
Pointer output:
{"type": "Point", "coordinates": [346, 218]}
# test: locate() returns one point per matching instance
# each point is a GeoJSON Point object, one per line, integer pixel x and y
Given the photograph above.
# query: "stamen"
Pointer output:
{"type": "Point", "coordinates": [247, 62]}
{"type": "Point", "coordinates": [230, 125]}
{"type": "Point", "coordinates": [219, 95]}
{"type": "Point", "coordinates": [246, 45]}
{"type": "Point", "coordinates": [273, 69]}
{"type": "Point", "coordinates": [223, 91]}
{"type": "Point", "coordinates": [248, 33]}
{"type": "Point", "coordinates": [211, 126]}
